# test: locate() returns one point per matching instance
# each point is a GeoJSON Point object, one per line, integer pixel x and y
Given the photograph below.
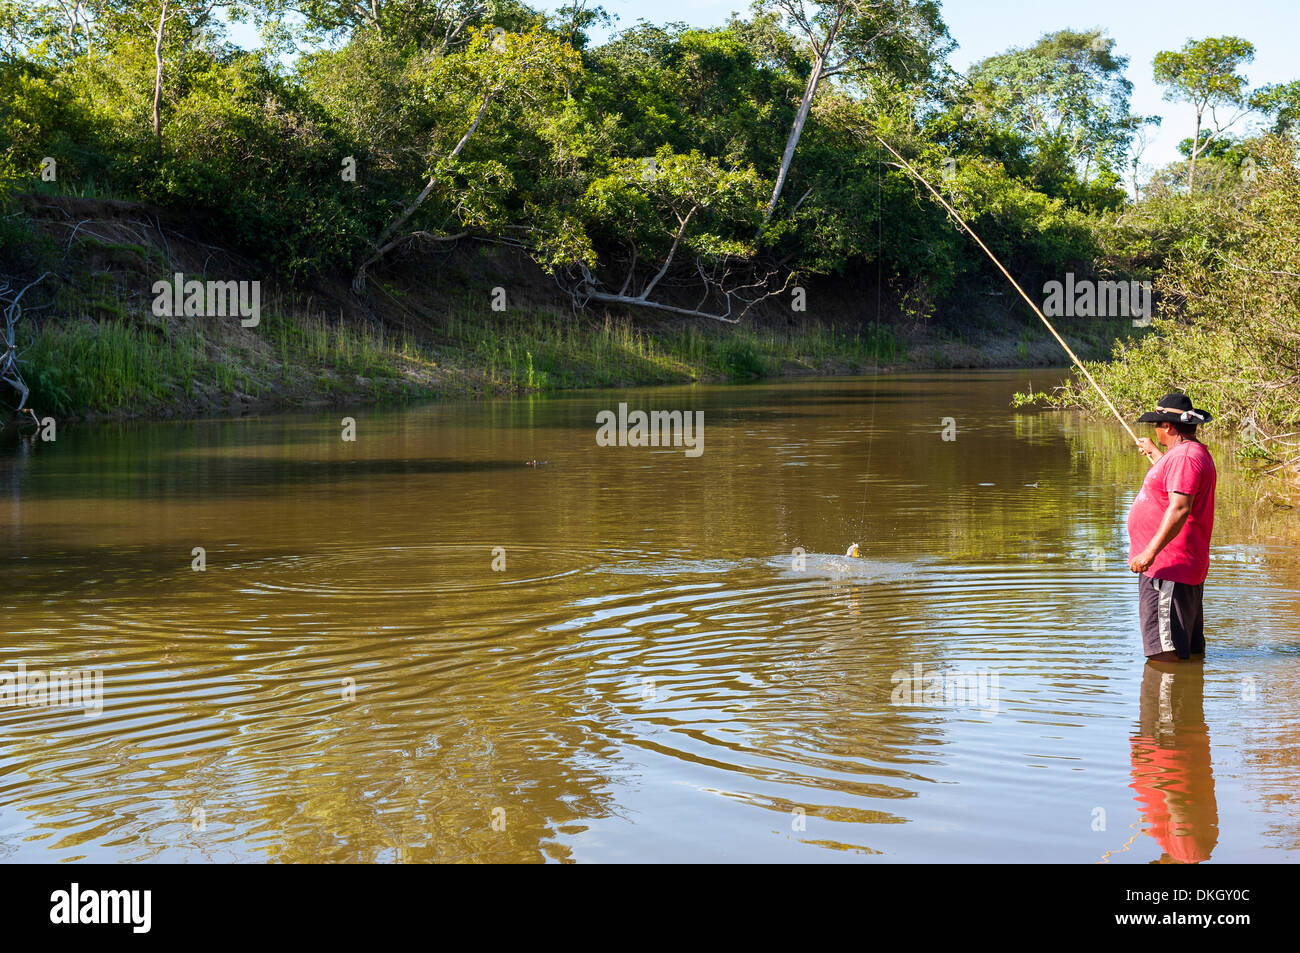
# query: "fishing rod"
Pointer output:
{"type": "Point", "coordinates": [1042, 317]}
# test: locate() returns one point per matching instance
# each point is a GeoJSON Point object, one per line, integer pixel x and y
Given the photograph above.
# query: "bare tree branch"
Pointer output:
{"type": "Point", "coordinates": [12, 302]}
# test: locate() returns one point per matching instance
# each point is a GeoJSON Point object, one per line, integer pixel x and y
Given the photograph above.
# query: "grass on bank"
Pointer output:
{"type": "Point", "coordinates": [543, 351]}
{"type": "Point", "coordinates": [136, 366]}
{"type": "Point", "coordinates": [83, 365]}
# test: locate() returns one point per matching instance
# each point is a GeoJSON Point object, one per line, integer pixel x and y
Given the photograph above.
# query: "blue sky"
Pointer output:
{"type": "Point", "coordinates": [1141, 28]}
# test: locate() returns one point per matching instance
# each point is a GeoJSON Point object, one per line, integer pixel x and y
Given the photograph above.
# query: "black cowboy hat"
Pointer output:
{"type": "Point", "coordinates": [1175, 408]}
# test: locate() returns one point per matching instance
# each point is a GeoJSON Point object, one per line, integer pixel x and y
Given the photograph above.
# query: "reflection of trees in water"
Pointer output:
{"type": "Point", "coordinates": [821, 481]}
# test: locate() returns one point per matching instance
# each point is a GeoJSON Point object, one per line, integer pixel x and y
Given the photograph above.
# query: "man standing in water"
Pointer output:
{"type": "Point", "coordinates": [1169, 528]}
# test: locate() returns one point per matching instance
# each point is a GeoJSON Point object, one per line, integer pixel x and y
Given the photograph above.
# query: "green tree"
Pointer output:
{"type": "Point", "coordinates": [1227, 325]}
{"type": "Point", "coordinates": [658, 208]}
{"type": "Point", "coordinates": [1281, 102]}
{"type": "Point", "coordinates": [435, 26]}
{"type": "Point", "coordinates": [170, 29]}
{"type": "Point", "coordinates": [849, 38]}
{"type": "Point", "coordinates": [493, 72]}
{"type": "Point", "coordinates": [1065, 94]}
{"type": "Point", "coordinates": [1204, 73]}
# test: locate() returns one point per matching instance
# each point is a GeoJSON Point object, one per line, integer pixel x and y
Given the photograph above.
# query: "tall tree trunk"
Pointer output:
{"type": "Point", "coordinates": [1191, 163]}
{"type": "Point", "coordinates": [158, 73]}
{"type": "Point", "coordinates": [822, 50]}
{"type": "Point", "coordinates": [792, 142]}
{"type": "Point", "coordinates": [385, 242]}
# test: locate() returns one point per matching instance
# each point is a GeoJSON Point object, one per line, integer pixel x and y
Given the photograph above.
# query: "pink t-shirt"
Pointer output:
{"type": "Point", "coordinates": [1187, 468]}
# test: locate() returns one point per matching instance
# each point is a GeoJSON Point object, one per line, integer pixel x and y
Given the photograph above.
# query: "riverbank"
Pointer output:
{"type": "Point", "coordinates": [476, 320]}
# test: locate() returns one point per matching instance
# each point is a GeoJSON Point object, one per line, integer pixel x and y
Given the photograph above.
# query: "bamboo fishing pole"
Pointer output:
{"type": "Point", "coordinates": [1029, 301]}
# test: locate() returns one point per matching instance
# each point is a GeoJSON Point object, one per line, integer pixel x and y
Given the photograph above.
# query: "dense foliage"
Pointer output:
{"type": "Point", "coordinates": [561, 136]}
{"type": "Point", "coordinates": [668, 163]}
{"type": "Point", "coordinates": [1229, 330]}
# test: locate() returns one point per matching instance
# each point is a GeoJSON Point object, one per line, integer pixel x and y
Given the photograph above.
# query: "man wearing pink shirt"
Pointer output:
{"type": "Point", "coordinates": [1169, 527]}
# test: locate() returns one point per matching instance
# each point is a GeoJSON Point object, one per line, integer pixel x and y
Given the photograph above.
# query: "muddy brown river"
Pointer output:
{"type": "Point", "coordinates": [253, 640]}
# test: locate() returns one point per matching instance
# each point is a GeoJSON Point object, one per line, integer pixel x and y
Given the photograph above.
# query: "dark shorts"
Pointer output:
{"type": "Point", "coordinates": [1171, 617]}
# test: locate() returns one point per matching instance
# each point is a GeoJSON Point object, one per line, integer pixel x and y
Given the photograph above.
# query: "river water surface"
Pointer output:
{"type": "Point", "coordinates": [413, 646]}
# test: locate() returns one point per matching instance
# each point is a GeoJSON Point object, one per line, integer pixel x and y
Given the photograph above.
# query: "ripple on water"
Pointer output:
{"type": "Point", "coordinates": [347, 571]}
{"type": "Point", "coordinates": [578, 685]}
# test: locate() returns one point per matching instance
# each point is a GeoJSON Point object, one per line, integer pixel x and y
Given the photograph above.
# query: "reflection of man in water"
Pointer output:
{"type": "Point", "coordinates": [1171, 764]}
{"type": "Point", "coordinates": [1169, 527]}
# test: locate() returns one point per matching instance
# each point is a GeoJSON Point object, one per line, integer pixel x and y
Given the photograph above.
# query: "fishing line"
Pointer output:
{"type": "Point", "coordinates": [970, 231]}
{"type": "Point", "coordinates": [875, 334]}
